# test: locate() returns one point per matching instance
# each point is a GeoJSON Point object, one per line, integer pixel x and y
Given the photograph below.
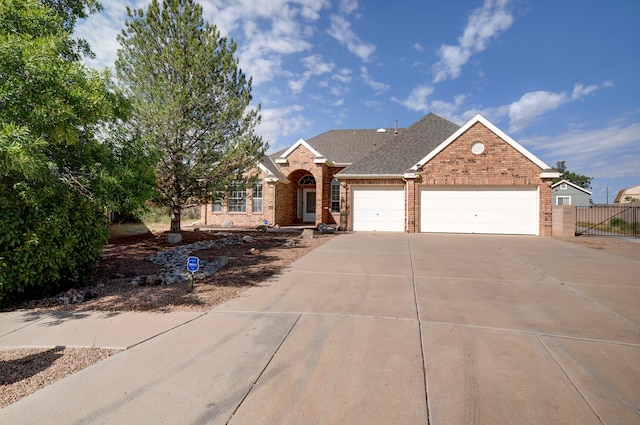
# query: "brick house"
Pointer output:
{"type": "Point", "coordinates": [433, 176]}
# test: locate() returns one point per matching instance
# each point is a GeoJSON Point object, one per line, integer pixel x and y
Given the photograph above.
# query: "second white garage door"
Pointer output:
{"type": "Point", "coordinates": [496, 210]}
{"type": "Point", "coordinates": [378, 209]}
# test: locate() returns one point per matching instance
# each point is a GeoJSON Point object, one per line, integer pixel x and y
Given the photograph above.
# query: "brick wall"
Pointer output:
{"type": "Point", "coordinates": [499, 165]}
{"type": "Point", "coordinates": [300, 162]}
{"type": "Point", "coordinates": [209, 218]}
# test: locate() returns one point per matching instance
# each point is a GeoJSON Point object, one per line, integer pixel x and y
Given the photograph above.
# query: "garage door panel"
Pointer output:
{"type": "Point", "coordinates": [378, 209]}
{"type": "Point", "coordinates": [493, 210]}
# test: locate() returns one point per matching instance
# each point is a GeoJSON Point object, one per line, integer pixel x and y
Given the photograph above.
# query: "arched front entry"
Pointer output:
{"type": "Point", "coordinates": [307, 199]}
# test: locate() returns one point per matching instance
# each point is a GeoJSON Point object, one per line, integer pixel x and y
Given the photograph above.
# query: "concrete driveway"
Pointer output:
{"type": "Point", "coordinates": [375, 328]}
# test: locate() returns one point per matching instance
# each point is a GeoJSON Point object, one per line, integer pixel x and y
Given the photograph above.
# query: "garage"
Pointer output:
{"type": "Point", "coordinates": [378, 209]}
{"type": "Point", "coordinates": [491, 210]}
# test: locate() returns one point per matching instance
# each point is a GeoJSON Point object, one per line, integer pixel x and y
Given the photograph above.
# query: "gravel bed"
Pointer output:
{"type": "Point", "coordinates": [23, 372]}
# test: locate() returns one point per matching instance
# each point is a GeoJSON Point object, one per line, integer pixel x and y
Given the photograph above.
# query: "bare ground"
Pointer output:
{"type": "Point", "coordinates": [625, 247]}
{"type": "Point", "coordinates": [23, 372]}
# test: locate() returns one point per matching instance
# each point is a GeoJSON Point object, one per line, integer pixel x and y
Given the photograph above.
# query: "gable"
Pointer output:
{"type": "Point", "coordinates": [478, 156]}
{"type": "Point", "coordinates": [301, 145]}
{"type": "Point", "coordinates": [479, 119]}
{"type": "Point", "coordinates": [571, 188]}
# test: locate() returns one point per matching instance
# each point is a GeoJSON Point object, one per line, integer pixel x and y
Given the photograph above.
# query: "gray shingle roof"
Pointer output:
{"type": "Point", "coordinates": [273, 168]}
{"type": "Point", "coordinates": [404, 150]}
{"type": "Point", "coordinates": [346, 146]}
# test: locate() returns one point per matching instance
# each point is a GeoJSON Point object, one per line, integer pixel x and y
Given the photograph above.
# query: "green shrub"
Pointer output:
{"type": "Point", "coordinates": [618, 222]}
{"type": "Point", "coordinates": [48, 245]}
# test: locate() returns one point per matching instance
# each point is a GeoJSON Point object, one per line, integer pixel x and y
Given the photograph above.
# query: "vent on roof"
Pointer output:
{"type": "Point", "coordinates": [382, 130]}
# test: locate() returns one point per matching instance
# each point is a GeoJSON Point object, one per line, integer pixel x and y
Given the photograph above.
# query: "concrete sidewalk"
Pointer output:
{"type": "Point", "coordinates": [370, 329]}
{"type": "Point", "coordinates": [85, 329]}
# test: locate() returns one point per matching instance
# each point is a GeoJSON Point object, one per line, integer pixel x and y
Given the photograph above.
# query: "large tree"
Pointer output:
{"type": "Point", "coordinates": [578, 179]}
{"type": "Point", "coordinates": [190, 100]}
{"type": "Point", "coordinates": [57, 171]}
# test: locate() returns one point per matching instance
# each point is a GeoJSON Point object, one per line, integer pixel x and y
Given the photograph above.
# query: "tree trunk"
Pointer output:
{"type": "Point", "coordinates": [176, 211]}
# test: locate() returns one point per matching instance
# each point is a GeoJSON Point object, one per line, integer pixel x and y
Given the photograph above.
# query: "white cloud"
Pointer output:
{"type": "Point", "coordinates": [449, 110]}
{"type": "Point", "coordinates": [609, 152]}
{"type": "Point", "coordinates": [374, 104]}
{"type": "Point", "coordinates": [266, 32]}
{"type": "Point", "coordinates": [110, 22]}
{"type": "Point", "coordinates": [484, 24]}
{"type": "Point", "coordinates": [533, 104]}
{"type": "Point", "coordinates": [270, 31]}
{"type": "Point", "coordinates": [341, 30]}
{"type": "Point", "coordinates": [419, 47]}
{"type": "Point", "coordinates": [368, 80]}
{"type": "Point", "coordinates": [348, 6]}
{"type": "Point", "coordinates": [343, 76]}
{"type": "Point", "coordinates": [314, 65]}
{"type": "Point", "coordinates": [417, 100]}
{"type": "Point", "coordinates": [579, 90]}
{"type": "Point", "coordinates": [521, 113]}
{"type": "Point", "coordinates": [279, 123]}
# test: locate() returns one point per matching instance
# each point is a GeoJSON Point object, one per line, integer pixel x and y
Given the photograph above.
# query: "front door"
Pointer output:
{"type": "Point", "coordinates": [309, 205]}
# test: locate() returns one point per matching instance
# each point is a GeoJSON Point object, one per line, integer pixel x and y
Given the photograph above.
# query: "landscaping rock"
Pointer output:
{"type": "Point", "coordinates": [72, 296]}
{"type": "Point", "coordinates": [89, 295]}
{"type": "Point", "coordinates": [174, 261]}
{"type": "Point", "coordinates": [174, 238]}
{"type": "Point", "coordinates": [227, 224]}
{"type": "Point", "coordinates": [221, 261]}
{"type": "Point", "coordinates": [325, 228]}
{"type": "Point", "coordinates": [248, 239]}
{"type": "Point", "coordinates": [307, 234]}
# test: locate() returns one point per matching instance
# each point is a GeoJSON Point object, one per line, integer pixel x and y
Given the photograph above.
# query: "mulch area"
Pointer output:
{"type": "Point", "coordinates": [125, 257]}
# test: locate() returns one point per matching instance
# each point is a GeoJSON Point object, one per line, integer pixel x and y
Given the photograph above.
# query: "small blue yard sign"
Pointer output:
{"type": "Point", "coordinates": [193, 264]}
{"type": "Point", "coordinates": [265, 222]}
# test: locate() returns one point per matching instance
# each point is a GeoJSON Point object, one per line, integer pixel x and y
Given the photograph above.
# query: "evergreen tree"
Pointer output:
{"type": "Point", "coordinates": [577, 179]}
{"type": "Point", "coordinates": [190, 100]}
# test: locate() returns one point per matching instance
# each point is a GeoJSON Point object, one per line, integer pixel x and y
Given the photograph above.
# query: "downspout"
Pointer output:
{"type": "Point", "coordinates": [406, 205]}
{"type": "Point", "coordinates": [273, 219]}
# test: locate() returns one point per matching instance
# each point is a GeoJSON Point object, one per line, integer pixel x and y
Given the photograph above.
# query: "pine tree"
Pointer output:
{"type": "Point", "coordinates": [578, 179]}
{"type": "Point", "coordinates": [190, 101]}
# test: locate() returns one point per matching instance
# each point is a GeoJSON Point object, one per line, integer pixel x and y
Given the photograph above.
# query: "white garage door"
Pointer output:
{"type": "Point", "coordinates": [378, 209]}
{"type": "Point", "coordinates": [499, 210]}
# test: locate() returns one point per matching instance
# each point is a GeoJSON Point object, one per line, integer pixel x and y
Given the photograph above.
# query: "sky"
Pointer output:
{"type": "Point", "coordinates": [562, 78]}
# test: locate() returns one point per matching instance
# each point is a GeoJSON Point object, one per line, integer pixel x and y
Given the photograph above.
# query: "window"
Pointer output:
{"type": "Point", "coordinates": [477, 148]}
{"type": "Point", "coordinates": [563, 186]}
{"type": "Point", "coordinates": [307, 180]}
{"type": "Point", "coordinates": [335, 196]}
{"type": "Point", "coordinates": [217, 205]}
{"type": "Point", "coordinates": [563, 200]}
{"type": "Point", "coordinates": [256, 197]}
{"type": "Point", "coordinates": [237, 196]}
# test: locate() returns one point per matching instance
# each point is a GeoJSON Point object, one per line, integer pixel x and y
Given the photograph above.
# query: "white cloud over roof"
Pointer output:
{"type": "Point", "coordinates": [484, 24]}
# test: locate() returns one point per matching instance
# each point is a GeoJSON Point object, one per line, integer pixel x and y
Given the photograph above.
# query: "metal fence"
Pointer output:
{"type": "Point", "coordinates": [608, 220]}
